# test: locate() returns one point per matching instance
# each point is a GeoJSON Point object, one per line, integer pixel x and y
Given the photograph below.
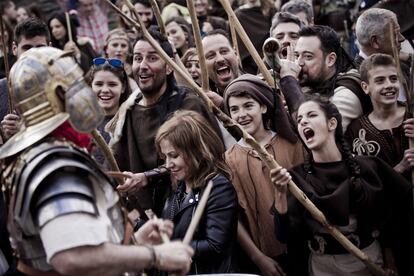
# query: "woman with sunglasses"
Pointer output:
{"type": "Point", "coordinates": [109, 81]}
{"type": "Point", "coordinates": [118, 46]}
{"type": "Point", "coordinates": [369, 202]}
{"type": "Point", "coordinates": [58, 27]}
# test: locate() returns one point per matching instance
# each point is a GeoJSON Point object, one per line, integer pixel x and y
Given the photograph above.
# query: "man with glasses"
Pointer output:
{"type": "Point", "coordinates": [133, 131]}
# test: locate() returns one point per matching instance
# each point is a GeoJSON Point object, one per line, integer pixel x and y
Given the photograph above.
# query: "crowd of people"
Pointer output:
{"type": "Point", "coordinates": [337, 118]}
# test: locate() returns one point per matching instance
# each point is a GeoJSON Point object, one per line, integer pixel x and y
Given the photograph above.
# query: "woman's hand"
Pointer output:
{"type": "Point", "coordinates": [132, 184]}
{"type": "Point", "coordinates": [71, 46]}
{"type": "Point", "coordinates": [280, 178]}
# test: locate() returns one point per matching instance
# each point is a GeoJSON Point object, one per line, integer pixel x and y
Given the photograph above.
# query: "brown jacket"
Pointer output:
{"type": "Point", "coordinates": [255, 192]}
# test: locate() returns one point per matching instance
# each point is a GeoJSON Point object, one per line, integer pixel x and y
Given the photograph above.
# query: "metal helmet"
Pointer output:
{"type": "Point", "coordinates": [36, 79]}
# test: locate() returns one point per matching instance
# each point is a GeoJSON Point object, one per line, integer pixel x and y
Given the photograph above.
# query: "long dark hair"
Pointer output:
{"type": "Point", "coordinates": [74, 23]}
{"type": "Point", "coordinates": [331, 111]}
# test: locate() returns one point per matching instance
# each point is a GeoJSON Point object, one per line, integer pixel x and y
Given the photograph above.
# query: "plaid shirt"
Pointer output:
{"type": "Point", "coordinates": [95, 27]}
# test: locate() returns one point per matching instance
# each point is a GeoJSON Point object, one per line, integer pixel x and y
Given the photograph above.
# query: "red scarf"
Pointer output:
{"type": "Point", "coordinates": [66, 131]}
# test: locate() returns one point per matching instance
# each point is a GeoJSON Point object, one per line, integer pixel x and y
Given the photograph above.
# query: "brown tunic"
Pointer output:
{"type": "Point", "coordinates": [255, 192]}
{"type": "Point", "coordinates": [135, 151]}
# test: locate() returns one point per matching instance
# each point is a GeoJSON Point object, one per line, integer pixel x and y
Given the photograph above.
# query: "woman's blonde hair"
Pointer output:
{"type": "Point", "coordinates": [200, 146]}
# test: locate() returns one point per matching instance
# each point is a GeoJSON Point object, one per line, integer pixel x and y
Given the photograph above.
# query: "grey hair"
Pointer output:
{"type": "Point", "coordinates": [373, 21]}
{"type": "Point", "coordinates": [297, 6]}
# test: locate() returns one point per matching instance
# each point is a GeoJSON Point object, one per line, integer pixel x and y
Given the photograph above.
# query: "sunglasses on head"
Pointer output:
{"type": "Point", "coordinates": [114, 62]}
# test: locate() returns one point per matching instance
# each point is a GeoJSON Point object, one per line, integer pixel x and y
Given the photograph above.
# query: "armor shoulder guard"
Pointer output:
{"type": "Point", "coordinates": [52, 179]}
{"type": "Point", "coordinates": [62, 193]}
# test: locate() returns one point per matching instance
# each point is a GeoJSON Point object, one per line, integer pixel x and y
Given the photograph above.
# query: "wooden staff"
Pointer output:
{"type": "Point", "coordinates": [198, 213]}
{"type": "Point", "coordinates": [69, 26]}
{"type": "Point", "coordinates": [408, 92]}
{"type": "Point", "coordinates": [199, 45]}
{"type": "Point", "coordinates": [246, 40]}
{"type": "Point", "coordinates": [6, 64]}
{"type": "Point", "coordinates": [266, 157]}
{"type": "Point", "coordinates": [132, 9]}
{"type": "Point", "coordinates": [234, 40]}
{"type": "Point", "coordinates": [114, 167]}
{"type": "Point", "coordinates": [157, 14]}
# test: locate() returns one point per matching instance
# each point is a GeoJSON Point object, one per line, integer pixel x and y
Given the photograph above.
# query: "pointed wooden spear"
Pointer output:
{"type": "Point", "coordinates": [265, 156]}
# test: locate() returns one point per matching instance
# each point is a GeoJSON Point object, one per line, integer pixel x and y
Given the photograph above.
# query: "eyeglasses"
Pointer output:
{"type": "Point", "coordinates": [114, 62]}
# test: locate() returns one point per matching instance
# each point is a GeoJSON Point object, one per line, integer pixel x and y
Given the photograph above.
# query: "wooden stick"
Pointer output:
{"type": "Point", "coordinates": [114, 166]}
{"type": "Point", "coordinates": [157, 13]}
{"type": "Point", "coordinates": [246, 40]}
{"type": "Point", "coordinates": [199, 46]}
{"type": "Point", "coordinates": [127, 18]}
{"type": "Point", "coordinates": [396, 56]}
{"type": "Point", "coordinates": [105, 150]}
{"type": "Point", "coordinates": [133, 11]}
{"type": "Point", "coordinates": [198, 213]}
{"type": "Point", "coordinates": [69, 26]}
{"type": "Point", "coordinates": [407, 91]}
{"type": "Point", "coordinates": [119, 175]}
{"type": "Point", "coordinates": [6, 64]}
{"type": "Point", "coordinates": [234, 40]}
{"type": "Point", "coordinates": [265, 157]}
{"type": "Point", "coordinates": [164, 236]}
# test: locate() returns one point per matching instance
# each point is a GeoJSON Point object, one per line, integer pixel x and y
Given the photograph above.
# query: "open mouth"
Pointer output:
{"type": "Point", "coordinates": [244, 123]}
{"type": "Point", "coordinates": [105, 98]}
{"type": "Point", "coordinates": [223, 71]}
{"type": "Point", "coordinates": [308, 133]}
{"type": "Point", "coordinates": [144, 77]}
{"type": "Point", "coordinates": [283, 52]}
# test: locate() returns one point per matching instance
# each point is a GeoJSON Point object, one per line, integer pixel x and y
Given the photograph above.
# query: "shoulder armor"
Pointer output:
{"type": "Point", "coordinates": [40, 181]}
{"type": "Point", "coordinates": [62, 193]}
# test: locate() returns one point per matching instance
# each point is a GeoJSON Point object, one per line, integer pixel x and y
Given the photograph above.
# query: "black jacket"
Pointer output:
{"type": "Point", "coordinates": [217, 231]}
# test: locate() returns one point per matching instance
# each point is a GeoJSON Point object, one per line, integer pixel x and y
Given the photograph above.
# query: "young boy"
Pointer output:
{"type": "Point", "coordinates": [383, 132]}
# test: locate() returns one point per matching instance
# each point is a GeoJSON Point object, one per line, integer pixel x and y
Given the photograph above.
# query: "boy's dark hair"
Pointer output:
{"type": "Point", "coordinates": [284, 17]}
{"type": "Point", "coordinates": [30, 28]}
{"type": "Point", "coordinates": [372, 61]}
{"type": "Point", "coordinates": [145, 3]}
